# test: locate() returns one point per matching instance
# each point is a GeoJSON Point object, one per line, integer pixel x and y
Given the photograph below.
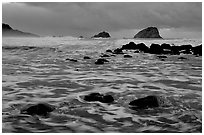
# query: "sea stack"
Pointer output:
{"type": "Point", "coordinates": [150, 32]}
{"type": "Point", "coordinates": [102, 35]}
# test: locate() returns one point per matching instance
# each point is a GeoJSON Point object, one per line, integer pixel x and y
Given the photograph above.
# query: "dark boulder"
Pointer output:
{"type": "Point", "coordinates": [110, 51]}
{"type": "Point", "coordinates": [99, 97]}
{"type": "Point", "coordinates": [131, 45]}
{"type": "Point", "coordinates": [166, 46]}
{"type": "Point", "coordinates": [100, 61]}
{"type": "Point", "coordinates": [102, 35]}
{"type": "Point", "coordinates": [197, 50]}
{"type": "Point", "coordinates": [175, 50]}
{"type": "Point", "coordinates": [150, 32]}
{"type": "Point", "coordinates": [182, 58]}
{"type": "Point", "coordinates": [105, 55]}
{"type": "Point", "coordinates": [87, 57]}
{"type": "Point", "coordinates": [144, 103]}
{"type": "Point", "coordinates": [142, 47]}
{"type": "Point", "coordinates": [127, 56]}
{"type": "Point", "coordinates": [155, 49]}
{"type": "Point", "coordinates": [38, 109]}
{"type": "Point", "coordinates": [73, 60]}
{"type": "Point", "coordinates": [118, 51]}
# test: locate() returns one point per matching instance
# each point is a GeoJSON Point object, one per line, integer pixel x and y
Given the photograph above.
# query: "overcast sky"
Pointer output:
{"type": "Point", "coordinates": [174, 20]}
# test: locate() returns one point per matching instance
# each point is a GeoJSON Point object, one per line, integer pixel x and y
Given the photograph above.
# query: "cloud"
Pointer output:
{"type": "Point", "coordinates": [72, 18]}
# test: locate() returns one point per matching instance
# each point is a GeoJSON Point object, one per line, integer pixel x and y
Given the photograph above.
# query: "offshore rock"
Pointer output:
{"type": "Point", "coordinates": [150, 32]}
{"type": "Point", "coordinates": [102, 35]}
{"type": "Point", "coordinates": [197, 50]}
{"type": "Point", "coordinates": [38, 109]}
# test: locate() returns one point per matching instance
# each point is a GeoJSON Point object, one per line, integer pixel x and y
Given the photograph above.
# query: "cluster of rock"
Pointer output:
{"type": "Point", "coordinates": [43, 109]}
{"type": "Point", "coordinates": [163, 49]}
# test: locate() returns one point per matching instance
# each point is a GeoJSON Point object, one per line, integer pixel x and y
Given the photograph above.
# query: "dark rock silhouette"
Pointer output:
{"type": "Point", "coordinates": [110, 51]}
{"type": "Point", "coordinates": [87, 57]}
{"type": "Point", "coordinates": [7, 31]}
{"type": "Point", "coordinates": [142, 47]}
{"type": "Point", "coordinates": [150, 32]}
{"type": "Point", "coordinates": [166, 46]}
{"type": "Point", "coordinates": [105, 55]}
{"type": "Point", "coordinates": [38, 109]}
{"type": "Point", "coordinates": [127, 56]}
{"type": "Point", "coordinates": [182, 58]}
{"type": "Point", "coordinates": [175, 50]}
{"type": "Point", "coordinates": [197, 50]}
{"type": "Point", "coordinates": [100, 61]}
{"type": "Point", "coordinates": [155, 49]}
{"type": "Point", "coordinates": [144, 103]}
{"type": "Point", "coordinates": [99, 97]}
{"type": "Point", "coordinates": [73, 60]}
{"type": "Point", "coordinates": [102, 35]}
{"type": "Point", "coordinates": [131, 45]}
{"type": "Point", "coordinates": [118, 51]}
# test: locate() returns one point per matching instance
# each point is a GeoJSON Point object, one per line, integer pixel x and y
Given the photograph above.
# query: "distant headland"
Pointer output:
{"type": "Point", "coordinates": [8, 31]}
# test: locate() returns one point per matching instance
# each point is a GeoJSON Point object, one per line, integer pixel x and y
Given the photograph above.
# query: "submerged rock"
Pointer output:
{"type": "Point", "coordinates": [110, 51]}
{"type": "Point", "coordinates": [162, 56]}
{"type": "Point", "coordinates": [105, 55]}
{"type": "Point", "coordinates": [102, 35]}
{"type": "Point", "coordinates": [99, 97]}
{"type": "Point", "coordinates": [100, 61]}
{"type": "Point", "coordinates": [150, 32]}
{"type": "Point", "coordinates": [146, 102]}
{"type": "Point", "coordinates": [38, 109]}
{"type": "Point", "coordinates": [73, 60]}
{"type": "Point", "coordinates": [127, 56]}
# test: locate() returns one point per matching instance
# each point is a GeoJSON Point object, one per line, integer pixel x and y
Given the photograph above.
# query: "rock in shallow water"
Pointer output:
{"type": "Point", "coordinates": [146, 102]}
{"type": "Point", "coordinates": [99, 97]}
{"type": "Point", "coordinates": [38, 109]}
{"type": "Point", "coordinates": [100, 61]}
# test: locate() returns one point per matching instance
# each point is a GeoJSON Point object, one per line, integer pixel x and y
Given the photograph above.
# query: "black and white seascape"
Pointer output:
{"type": "Point", "coordinates": [102, 67]}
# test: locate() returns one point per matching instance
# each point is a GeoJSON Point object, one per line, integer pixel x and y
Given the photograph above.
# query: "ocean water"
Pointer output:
{"type": "Point", "coordinates": [36, 70]}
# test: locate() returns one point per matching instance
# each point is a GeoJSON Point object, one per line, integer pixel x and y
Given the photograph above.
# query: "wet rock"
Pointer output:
{"type": "Point", "coordinates": [38, 109]}
{"type": "Point", "coordinates": [100, 61]}
{"type": "Point", "coordinates": [197, 50]}
{"type": "Point", "coordinates": [102, 35]}
{"type": "Point", "coordinates": [87, 57]}
{"type": "Point", "coordinates": [131, 45]}
{"type": "Point", "coordinates": [165, 46]}
{"type": "Point", "coordinates": [175, 50]}
{"type": "Point", "coordinates": [142, 47]}
{"type": "Point", "coordinates": [155, 49]}
{"type": "Point", "coordinates": [105, 55]}
{"type": "Point", "coordinates": [150, 32]}
{"type": "Point", "coordinates": [144, 103]}
{"type": "Point", "coordinates": [99, 97]}
{"type": "Point", "coordinates": [118, 51]}
{"type": "Point", "coordinates": [110, 51]}
{"type": "Point", "coordinates": [182, 58]}
{"type": "Point", "coordinates": [73, 60]}
{"type": "Point", "coordinates": [127, 56]}
{"type": "Point", "coordinates": [137, 51]}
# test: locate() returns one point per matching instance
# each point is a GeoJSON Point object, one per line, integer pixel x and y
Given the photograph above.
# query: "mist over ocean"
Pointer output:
{"type": "Point", "coordinates": [37, 70]}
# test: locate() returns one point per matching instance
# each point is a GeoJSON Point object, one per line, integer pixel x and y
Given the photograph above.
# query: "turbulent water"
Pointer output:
{"type": "Point", "coordinates": [36, 70]}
